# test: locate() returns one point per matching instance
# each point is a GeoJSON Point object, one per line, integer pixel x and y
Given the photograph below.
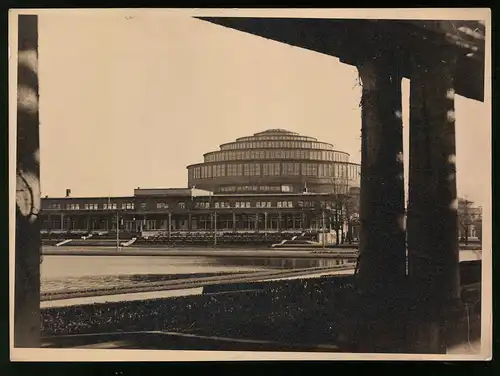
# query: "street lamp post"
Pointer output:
{"type": "Point", "coordinates": [215, 229]}
{"type": "Point", "coordinates": [117, 231]}
{"type": "Point", "coordinates": [323, 229]}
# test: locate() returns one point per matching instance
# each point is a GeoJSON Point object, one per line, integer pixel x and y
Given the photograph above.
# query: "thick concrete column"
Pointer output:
{"type": "Point", "coordinates": [433, 253]}
{"type": "Point", "coordinates": [27, 251]}
{"type": "Point", "coordinates": [382, 240]}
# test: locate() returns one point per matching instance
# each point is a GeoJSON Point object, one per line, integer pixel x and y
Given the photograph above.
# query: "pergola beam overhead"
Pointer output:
{"type": "Point", "coordinates": [348, 39]}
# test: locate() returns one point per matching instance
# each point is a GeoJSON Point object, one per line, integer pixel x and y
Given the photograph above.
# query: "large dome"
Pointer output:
{"type": "Point", "coordinates": [275, 160]}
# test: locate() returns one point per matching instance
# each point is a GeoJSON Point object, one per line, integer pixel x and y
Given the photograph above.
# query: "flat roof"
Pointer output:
{"type": "Point", "coordinates": [171, 192]}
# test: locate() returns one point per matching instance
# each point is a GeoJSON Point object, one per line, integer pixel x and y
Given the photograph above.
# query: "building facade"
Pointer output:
{"type": "Point", "coordinates": [272, 182]}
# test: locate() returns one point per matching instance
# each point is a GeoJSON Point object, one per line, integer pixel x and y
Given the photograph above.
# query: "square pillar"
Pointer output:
{"type": "Point", "coordinates": [382, 261]}
{"type": "Point", "coordinates": [433, 253]}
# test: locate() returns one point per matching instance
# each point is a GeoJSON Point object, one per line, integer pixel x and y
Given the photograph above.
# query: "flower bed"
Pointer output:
{"type": "Point", "coordinates": [283, 311]}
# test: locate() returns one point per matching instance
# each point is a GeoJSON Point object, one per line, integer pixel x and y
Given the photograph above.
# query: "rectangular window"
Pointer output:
{"type": "Point", "coordinates": [272, 169]}
{"type": "Point", "coordinates": [182, 205]}
{"type": "Point", "coordinates": [256, 169]}
{"type": "Point", "coordinates": [288, 169]}
{"type": "Point", "coordinates": [285, 204]}
{"type": "Point", "coordinates": [202, 205]}
{"type": "Point", "coordinates": [86, 206]}
{"type": "Point", "coordinates": [232, 170]}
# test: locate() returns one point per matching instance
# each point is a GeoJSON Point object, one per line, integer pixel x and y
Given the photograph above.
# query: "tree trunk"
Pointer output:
{"type": "Point", "coordinates": [349, 232]}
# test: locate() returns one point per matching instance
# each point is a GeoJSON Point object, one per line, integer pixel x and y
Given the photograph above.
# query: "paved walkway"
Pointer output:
{"type": "Point", "coordinates": [208, 252]}
{"type": "Point", "coordinates": [120, 297]}
{"type": "Point", "coordinates": [157, 294]}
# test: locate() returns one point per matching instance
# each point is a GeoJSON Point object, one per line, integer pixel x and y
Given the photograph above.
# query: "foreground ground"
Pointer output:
{"type": "Point", "coordinates": [313, 312]}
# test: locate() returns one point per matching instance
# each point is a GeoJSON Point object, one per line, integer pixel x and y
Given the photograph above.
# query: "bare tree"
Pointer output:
{"type": "Point", "coordinates": [340, 209]}
{"type": "Point", "coordinates": [467, 216]}
{"type": "Point", "coordinates": [352, 214]}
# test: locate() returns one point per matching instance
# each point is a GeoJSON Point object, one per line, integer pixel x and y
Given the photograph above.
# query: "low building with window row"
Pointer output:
{"type": "Point", "coordinates": [166, 210]}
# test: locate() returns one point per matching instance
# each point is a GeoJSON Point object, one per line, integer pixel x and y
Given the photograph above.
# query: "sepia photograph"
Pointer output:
{"type": "Point", "coordinates": [250, 184]}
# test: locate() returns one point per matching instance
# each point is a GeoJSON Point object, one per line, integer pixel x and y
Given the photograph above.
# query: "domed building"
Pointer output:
{"type": "Point", "coordinates": [258, 189]}
{"type": "Point", "coordinates": [273, 161]}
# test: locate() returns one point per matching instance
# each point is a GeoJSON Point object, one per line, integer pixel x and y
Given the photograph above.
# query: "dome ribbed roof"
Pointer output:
{"type": "Point", "coordinates": [275, 134]}
{"type": "Point", "coordinates": [275, 131]}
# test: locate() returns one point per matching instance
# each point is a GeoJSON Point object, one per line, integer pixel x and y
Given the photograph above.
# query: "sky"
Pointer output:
{"type": "Point", "coordinates": [127, 103]}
